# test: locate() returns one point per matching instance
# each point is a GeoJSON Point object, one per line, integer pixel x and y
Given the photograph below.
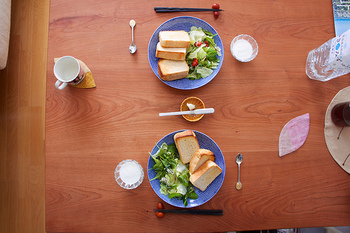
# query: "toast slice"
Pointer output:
{"type": "Point", "coordinates": [199, 157]}
{"type": "Point", "coordinates": [174, 39]}
{"type": "Point", "coordinates": [169, 70]}
{"type": "Point", "coordinates": [170, 53]}
{"type": "Point", "coordinates": [187, 144]}
{"type": "Point", "coordinates": [205, 175]}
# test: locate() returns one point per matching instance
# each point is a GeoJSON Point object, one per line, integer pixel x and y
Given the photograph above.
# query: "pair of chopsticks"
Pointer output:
{"type": "Point", "coordinates": [191, 211]}
{"type": "Point", "coordinates": [179, 9]}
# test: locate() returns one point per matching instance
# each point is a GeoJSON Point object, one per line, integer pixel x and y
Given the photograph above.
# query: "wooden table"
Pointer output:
{"type": "Point", "coordinates": [89, 131]}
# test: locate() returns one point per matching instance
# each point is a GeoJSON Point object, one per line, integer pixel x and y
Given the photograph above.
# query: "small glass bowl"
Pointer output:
{"type": "Point", "coordinates": [251, 41]}
{"type": "Point", "coordinates": [195, 101]}
{"type": "Point", "coordinates": [124, 170]}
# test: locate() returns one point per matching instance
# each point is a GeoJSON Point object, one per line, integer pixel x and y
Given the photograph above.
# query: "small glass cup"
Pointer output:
{"type": "Point", "coordinates": [244, 48]}
{"type": "Point", "coordinates": [129, 174]}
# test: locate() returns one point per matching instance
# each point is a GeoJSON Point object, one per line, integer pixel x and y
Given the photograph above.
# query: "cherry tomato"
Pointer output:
{"type": "Point", "coordinates": [195, 62]}
{"type": "Point", "coordinates": [160, 206]}
{"type": "Point", "coordinates": [216, 14]}
{"type": "Point", "coordinates": [198, 43]}
{"type": "Point", "coordinates": [215, 6]}
{"type": "Point", "coordinates": [160, 214]}
{"type": "Point", "coordinates": [206, 43]}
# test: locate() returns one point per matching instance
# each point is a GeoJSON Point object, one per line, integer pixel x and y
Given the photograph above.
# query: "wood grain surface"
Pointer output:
{"type": "Point", "coordinates": [22, 117]}
{"type": "Point", "coordinates": [89, 131]}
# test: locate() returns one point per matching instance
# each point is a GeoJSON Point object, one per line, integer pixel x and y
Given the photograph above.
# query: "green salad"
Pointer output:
{"type": "Point", "coordinates": [202, 54]}
{"type": "Point", "coordinates": [173, 175]}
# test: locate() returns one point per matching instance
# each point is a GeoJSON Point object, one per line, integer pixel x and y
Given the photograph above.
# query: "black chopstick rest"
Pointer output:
{"type": "Point", "coordinates": [190, 211]}
{"type": "Point", "coordinates": [178, 9]}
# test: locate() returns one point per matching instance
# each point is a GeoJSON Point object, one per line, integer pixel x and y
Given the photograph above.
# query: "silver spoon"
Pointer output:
{"type": "Point", "coordinates": [239, 159]}
{"type": "Point", "coordinates": [132, 47]}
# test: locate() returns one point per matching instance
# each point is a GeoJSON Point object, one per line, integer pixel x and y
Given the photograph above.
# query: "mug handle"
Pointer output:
{"type": "Point", "coordinates": [59, 86]}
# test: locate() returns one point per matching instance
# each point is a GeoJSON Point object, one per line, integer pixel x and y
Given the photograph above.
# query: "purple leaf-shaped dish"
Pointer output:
{"type": "Point", "coordinates": [294, 134]}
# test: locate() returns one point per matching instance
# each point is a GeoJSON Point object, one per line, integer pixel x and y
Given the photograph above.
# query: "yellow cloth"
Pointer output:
{"type": "Point", "coordinates": [88, 81]}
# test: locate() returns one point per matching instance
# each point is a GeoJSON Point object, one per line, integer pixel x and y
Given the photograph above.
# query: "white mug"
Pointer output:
{"type": "Point", "coordinates": [68, 71]}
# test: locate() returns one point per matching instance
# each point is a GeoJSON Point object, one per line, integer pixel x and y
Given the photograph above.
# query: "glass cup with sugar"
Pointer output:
{"type": "Point", "coordinates": [129, 174]}
{"type": "Point", "coordinates": [244, 48]}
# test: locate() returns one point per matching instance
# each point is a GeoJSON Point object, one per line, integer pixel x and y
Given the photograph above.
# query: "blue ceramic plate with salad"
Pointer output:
{"type": "Point", "coordinates": [210, 52]}
{"type": "Point", "coordinates": [191, 196]}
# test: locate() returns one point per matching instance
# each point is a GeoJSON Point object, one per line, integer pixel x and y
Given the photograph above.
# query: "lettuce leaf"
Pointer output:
{"type": "Point", "coordinates": [204, 72]}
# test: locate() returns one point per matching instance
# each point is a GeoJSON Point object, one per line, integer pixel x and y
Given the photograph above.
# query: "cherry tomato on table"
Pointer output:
{"type": "Point", "coordinates": [160, 206]}
{"type": "Point", "coordinates": [160, 214]}
{"type": "Point", "coordinates": [216, 14]}
{"type": "Point", "coordinates": [215, 6]}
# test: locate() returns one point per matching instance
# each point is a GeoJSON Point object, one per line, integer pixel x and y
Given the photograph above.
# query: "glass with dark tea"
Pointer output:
{"type": "Point", "coordinates": [341, 114]}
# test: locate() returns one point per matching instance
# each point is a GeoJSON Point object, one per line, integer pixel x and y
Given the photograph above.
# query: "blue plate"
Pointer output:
{"type": "Point", "coordinates": [205, 142]}
{"type": "Point", "coordinates": [183, 23]}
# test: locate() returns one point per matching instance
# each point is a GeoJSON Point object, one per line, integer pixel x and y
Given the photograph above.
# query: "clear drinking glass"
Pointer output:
{"type": "Point", "coordinates": [244, 48]}
{"type": "Point", "coordinates": [129, 174]}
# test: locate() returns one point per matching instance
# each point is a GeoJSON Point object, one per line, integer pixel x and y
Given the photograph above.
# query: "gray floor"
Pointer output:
{"type": "Point", "coordinates": [308, 230]}
{"type": "Point", "coordinates": [326, 230]}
